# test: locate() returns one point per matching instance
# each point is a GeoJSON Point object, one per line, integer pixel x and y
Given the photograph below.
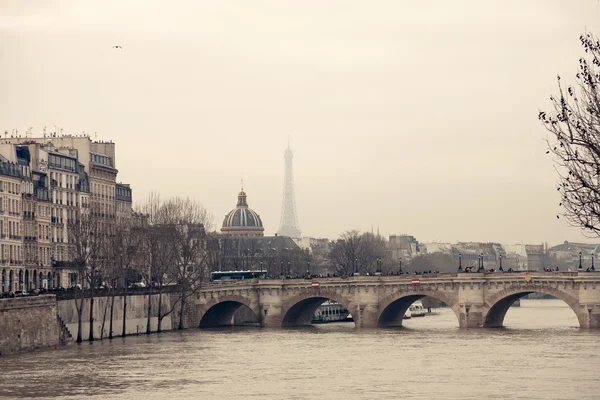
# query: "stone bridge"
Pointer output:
{"type": "Point", "coordinates": [477, 299]}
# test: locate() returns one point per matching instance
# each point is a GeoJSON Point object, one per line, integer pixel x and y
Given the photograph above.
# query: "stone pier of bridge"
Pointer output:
{"type": "Point", "coordinates": [479, 300]}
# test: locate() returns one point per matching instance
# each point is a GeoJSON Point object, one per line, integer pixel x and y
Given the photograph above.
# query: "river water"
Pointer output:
{"type": "Point", "coordinates": [541, 354]}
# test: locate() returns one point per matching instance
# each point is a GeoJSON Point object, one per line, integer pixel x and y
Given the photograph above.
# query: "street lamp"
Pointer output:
{"type": "Point", "coordinates": [281, 271]}
{"type": "Point", "coordinates": [500, 269]}
{"type": "Point", "coordinates": [482, 267]}
{"type": "Point", "coordinates": [400, 269]}
{"type": "Point", "coordinates": [378, 265]}
{"type": "Point", "coordinates": [289, 270]}
{"type": "Point", "coordinates": [356, 265]}
{"type": "Point", "coordinates": [593, 268]}
{"type": "Point", "coordinates": [308, 268]}
{"type": "Point", "coordinates": [460, 262]}
{"type": "Point", "coordinates": [580, 266]}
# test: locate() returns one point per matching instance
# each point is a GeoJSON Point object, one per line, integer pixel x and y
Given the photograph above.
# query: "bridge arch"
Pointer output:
{"type": "Point", "coordinates": [298, 310]}
{"type": "Point", "coordinates": [498, 305]}
{"type": "Point", "coordinates": [393, 307]}
{"type": "Point", "coordinates": [219, 311]}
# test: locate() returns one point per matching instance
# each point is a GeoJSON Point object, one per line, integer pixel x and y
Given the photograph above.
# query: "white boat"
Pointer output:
{"type": "Point", "coordinates": [416, 309]}
{"type": "Point", "coordinates": [330, 311]}
{"type": "Point", "coordinates": [407, 315]}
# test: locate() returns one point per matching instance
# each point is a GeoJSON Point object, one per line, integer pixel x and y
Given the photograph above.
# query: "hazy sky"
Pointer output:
{"type": "Point", "coordinates": [419, 117]}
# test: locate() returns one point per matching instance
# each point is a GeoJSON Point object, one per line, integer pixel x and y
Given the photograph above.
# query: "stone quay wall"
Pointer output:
{"type": "Point", "coordinates": [28, 323]}
{"type": "Point", "coordinates": [136, 315]}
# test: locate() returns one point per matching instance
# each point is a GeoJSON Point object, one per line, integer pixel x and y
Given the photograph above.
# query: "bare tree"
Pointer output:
{"type": "Point", "coordinates": [155, 251]}
{"type": "Point", "coordinates": [87, 245]}
{"type": "Point", "coordinates": [123, 245]}
{"type": "Point", "coordinates": [191, 266]}
{"type": "Point", "coordinates": [373, 249]}
{"type": "Point", "coordinates": [171, 250]}
{"type": "Point", "coordinates": [191, 262]}
{"type": "Point", "coordinates": [356, 252]}
{"type": "Point", "coordinates": [344, 253]}
{"type": "Point", "coordinates": [574, 124]}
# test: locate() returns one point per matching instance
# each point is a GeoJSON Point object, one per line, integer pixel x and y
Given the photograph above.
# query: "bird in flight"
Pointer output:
{"type": "Point", "coordinates": [117, 47]}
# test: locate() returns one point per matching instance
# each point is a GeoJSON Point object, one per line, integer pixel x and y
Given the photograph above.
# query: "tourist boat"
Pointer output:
{"type": "Point", "coordinates": [330, 311]}
{"type": "Point", "coordinates": [407, 314]}
{"type": "Point", "coordinates": [416, 309]}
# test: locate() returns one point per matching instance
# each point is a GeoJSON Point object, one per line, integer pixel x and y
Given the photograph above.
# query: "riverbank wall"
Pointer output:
{"type": "Point", "coordinates": [28, 323]}
{"type": "Point", "coordinates": [136, 313]}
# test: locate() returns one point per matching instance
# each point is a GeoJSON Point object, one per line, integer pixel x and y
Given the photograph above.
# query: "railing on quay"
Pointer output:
{"type": "Point", "coordinates": [70, 294]}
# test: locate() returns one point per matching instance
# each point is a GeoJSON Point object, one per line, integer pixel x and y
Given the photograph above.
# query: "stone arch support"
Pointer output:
{"type": "Point", "coordinates": [219, 310]}
{"type": "Point", "coordinates": [496, 306]}
{"type": "Point", "coordinates": [392, 308]}
{"type": "Point", "coordinates": [299, 309]}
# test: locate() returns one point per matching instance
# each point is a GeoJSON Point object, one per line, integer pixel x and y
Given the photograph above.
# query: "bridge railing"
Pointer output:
{"type": "Point", "coordinates": [388, 278]}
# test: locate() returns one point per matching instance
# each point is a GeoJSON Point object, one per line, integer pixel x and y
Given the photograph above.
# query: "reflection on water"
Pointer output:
{"type": "Point", "coordinates": [541, 354]}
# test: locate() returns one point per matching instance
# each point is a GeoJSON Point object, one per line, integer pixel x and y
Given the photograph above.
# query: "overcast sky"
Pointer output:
{"type": "Point", "coordinates": [419, 117]}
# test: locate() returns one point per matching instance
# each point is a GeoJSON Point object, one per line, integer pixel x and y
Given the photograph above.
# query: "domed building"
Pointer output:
{"type": "Point", "coordinates": [242, 220]}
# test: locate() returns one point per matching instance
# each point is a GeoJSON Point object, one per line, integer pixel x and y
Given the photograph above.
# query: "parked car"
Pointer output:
{"type": "Point", "coordinates": [21, 293]}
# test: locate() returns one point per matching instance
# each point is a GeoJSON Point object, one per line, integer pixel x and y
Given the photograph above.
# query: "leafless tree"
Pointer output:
{"type": "Point", "coordinates": [574, 124]}
{"type": "Point", "coordinates": [174, 252]}
{"type": "Point", "coordinates": [87, 245]}
{"type": "Point", "coordinates": [122, 250]}
{"type": "Point", "coordinates": [345, 252]}
{"type": "Point", "coordinates": [373, 249]}
{"type": "Point", "coordinates": [191, 259]}
{"type": "Point", "coordinates": [359, 252]}
{"type": "Point", "coordinates": [191, 262]}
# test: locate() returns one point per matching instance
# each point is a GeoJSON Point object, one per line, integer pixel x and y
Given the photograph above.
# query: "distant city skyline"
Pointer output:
{"type": "Point", "coordinates": [419, 118]}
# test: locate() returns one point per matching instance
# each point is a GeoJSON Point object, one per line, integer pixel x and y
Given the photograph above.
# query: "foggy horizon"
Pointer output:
{"type": "Point", "coordinates": [412, 118]}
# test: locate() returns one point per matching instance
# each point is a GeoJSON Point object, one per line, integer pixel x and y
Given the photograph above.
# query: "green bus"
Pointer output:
{"type": "Point", "coordinates": [237, 275]}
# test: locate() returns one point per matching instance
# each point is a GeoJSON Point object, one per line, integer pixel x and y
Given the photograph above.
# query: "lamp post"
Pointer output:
{"type": "Point", "coordinates": [289, 270]}
{"type": "Point", "coordinates": [378, 265]}
{"type": "Point", "coordinates": [281, 271]}
{"type": "Point", "coordinates": [400, 262]}
{"type": "Point", "coordinates": [500, 263]}
{"type": "Point", "coordinates": [355, 266]}
{"type": "Point", "coordinates": [593, 268]}
{"type": "Point", "coordinates": [308, 268]}
{"type": "Point", "coordinates": [460, 262]}
{"type": "Point", "coordinates": [580, 266]}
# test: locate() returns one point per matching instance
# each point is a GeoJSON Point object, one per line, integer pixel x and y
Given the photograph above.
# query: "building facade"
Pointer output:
{"type": "Point", "coordinates": [46, 185]}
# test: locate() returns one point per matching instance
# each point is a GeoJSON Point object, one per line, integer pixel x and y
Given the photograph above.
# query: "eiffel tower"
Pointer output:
{"type": "Point", "coordinates": [288, 226]}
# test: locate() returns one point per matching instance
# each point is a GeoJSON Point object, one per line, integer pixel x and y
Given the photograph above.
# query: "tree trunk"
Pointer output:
{"type": "Point", "coordinates": [160, 314]}
{"type": "Point", "coordinates": [91, 338]}
{"type": "Point", "coordinates": [124, 331]}
{"type": "Point", "coordinates": [148, 322]}
{"type": "Point", "coordinates": [181, 310]}
{"type": "Point", "coordinates": [79, 307]}
{"type": "Point", "coordinates": [92, 281]}
{"type": "Point", "coordinates": [112, 306]}
{"type": "Point", "coordinates": [79, 320]}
